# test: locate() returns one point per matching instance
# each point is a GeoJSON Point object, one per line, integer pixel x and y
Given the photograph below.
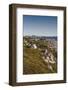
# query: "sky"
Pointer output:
{"type": "Point", "coordinates": [40, 25]}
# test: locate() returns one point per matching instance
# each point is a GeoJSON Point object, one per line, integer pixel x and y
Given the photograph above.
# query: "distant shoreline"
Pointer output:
{"type": "Point", "coordinates": [41, 37]}
{"type": "Point", "coordinates": [38, 36]}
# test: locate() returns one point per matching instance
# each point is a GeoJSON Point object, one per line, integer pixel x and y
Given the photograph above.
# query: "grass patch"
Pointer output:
{"type": "Point", "coordinates": [33, 62]}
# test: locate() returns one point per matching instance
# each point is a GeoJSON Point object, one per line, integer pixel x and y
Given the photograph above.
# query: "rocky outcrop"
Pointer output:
{"type": "Point", "coordinates": [49, 59]}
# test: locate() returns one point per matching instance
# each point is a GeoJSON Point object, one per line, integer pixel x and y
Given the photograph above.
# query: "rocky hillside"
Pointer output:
{"type": "Point", "coordinates": [39, 56]}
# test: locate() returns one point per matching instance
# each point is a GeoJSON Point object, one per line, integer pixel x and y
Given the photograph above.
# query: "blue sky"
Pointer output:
{"type": "Point", "coordinates": [40, 25]}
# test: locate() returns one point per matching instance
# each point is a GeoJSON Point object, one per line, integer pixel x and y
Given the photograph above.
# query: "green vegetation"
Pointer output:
{"type": "Point", "coordinates": [33, 63]}
{"type": "Point", "coordinates": [35, 60]}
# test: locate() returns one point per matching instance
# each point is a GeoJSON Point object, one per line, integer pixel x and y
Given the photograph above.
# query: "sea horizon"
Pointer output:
{"type": "Point", "coordinates": [38, 36]}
